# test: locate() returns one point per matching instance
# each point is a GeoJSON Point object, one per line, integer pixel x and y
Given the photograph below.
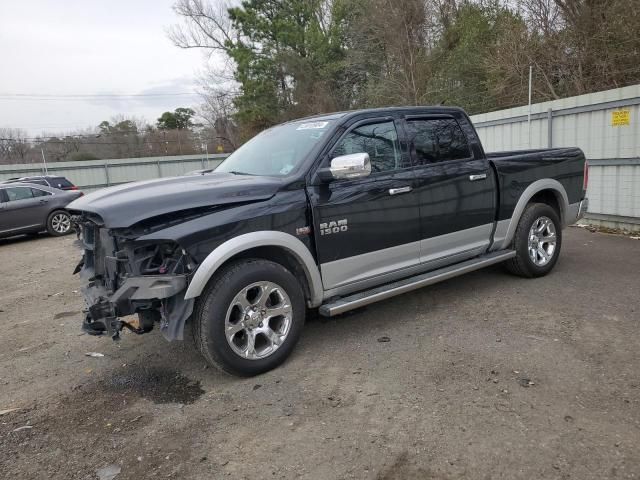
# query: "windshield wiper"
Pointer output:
{"type": "Point", "coordinates": [240, 173]}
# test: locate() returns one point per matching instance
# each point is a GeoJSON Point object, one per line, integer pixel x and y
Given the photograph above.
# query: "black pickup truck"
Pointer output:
{"type": "Point", "coordinates": [331, 212]}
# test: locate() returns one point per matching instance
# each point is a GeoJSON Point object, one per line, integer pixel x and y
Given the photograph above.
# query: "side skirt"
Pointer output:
{"type": "Point", "coordinates": [389, 290]}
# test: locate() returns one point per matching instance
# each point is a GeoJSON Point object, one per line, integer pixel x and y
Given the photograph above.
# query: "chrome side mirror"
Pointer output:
{"type": "Point", "coordinates": [355, 165]}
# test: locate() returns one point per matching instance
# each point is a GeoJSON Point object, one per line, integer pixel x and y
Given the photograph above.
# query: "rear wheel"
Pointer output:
{"type": "Point", "coordinates": [250, 317]}
{"type": "Point", "coordinates": [59, 223]}
{"type": "Point", "coordinates": [537, 241]}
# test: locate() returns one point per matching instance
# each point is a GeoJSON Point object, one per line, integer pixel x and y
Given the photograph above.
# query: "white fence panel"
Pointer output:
{"type": "Point", "coordinates": [605, 125]}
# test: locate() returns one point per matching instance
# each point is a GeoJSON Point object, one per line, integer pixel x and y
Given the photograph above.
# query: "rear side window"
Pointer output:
{"type": "Point", "coordinates": [379, 140]}
{"type": "Point", "coordinates": [60, 182]}
{"type": "Point", "coordinates": [438, 140]}
{"type": "Point", "coordinates": [39, 193]}
{"type": "Point", "coordinates": [18, 193]}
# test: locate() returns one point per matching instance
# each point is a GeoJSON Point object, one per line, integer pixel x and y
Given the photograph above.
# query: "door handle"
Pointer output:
{"type": "Point", "coordinates": [481, 176]}
{"type": "Point", "coordinates": [396, 191]}
{"type": "Point", "coordinates": [42, 202]}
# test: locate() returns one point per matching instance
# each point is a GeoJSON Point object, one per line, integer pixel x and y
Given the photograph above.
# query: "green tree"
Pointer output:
{"type": "Point", "coordinates": [288, 56]}
{"type": "Point", "coordinates": [179, 119]}
{"type": "Point", "coordinates": [288, 59]}
{"type": "Point", "coordinates": [119, 127]}
{"type": "Point", "coordinates": [465, 69]}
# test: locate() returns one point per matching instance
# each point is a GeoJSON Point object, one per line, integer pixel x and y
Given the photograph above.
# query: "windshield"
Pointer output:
{"type": "Point", "coordinates": [276, 151]}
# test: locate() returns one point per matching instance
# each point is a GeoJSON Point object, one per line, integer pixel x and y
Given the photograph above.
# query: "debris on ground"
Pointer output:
{"type": "Point", "coordinates": [525, 382]}
{"type": "Point", "coordinates": [109, 472]}
{"type": "Point", "coordinates": [31, 347]}
{"type": "Point", "coordinates": [26, 427]}
{"type": "Point", "coordinates": [384, 339]}
{"type": "Point", "coordinates": [607, 230]}
{"type": "Point", "coordinates": [8, 410]}
{"type": "Point", "coordinates": [94, 354]}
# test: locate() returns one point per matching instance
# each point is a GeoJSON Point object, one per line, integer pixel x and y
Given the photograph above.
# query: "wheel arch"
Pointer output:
{"type": "Point", "coordinates": [547, 191]}
{"type": "Point", "coordinates": [277, 246]}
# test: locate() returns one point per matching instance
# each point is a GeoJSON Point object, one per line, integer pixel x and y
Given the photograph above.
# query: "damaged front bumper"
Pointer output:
{"type": "Point", "coordinates": [138, 294]}
{"type": "Point", "coordinates": [123, 277]}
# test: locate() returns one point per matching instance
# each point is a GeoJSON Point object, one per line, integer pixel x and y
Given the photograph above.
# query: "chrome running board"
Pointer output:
{"type": "Point", "coordinates": [389, 290]}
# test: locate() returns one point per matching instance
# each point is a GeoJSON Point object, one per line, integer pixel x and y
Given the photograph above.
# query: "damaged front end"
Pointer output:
{"type": "Point", "coordinates": [123, 276]}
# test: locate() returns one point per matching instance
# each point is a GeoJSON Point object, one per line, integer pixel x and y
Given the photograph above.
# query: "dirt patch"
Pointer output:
{"type": "Point", "coordinates": [160, 385]}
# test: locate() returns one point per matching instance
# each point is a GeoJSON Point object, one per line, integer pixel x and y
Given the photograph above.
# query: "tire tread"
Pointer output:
{"type": "Point", "coordinates": [203, 306]}
{"type": "Point", "coordinates": [520, 265]}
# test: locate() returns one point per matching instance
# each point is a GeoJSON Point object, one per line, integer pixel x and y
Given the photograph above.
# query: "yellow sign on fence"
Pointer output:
{"type": "Point", "coordinates": [620, 118]}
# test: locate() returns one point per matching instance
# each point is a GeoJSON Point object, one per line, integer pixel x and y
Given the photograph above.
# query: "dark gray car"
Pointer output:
{"type": "Point", "coordinates": [29, 208]}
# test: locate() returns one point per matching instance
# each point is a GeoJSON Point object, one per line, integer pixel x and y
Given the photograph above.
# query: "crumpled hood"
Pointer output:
{"type": "Point", "coordinates": [126, 205]}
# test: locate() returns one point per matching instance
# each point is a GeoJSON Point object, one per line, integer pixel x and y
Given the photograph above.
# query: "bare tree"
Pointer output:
{"type": "Point", "coordinates": [217, 111]}
{"type": "Point", "coordinates": [14, 145]}
{"type": "Point", "coordinates": [204, 25]}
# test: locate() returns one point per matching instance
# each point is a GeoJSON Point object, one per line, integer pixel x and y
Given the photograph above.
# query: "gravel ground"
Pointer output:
{"type": "Point", "coordinates": [484, 376]}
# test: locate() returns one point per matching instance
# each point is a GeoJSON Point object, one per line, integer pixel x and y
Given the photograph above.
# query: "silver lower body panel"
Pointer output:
{"type": "Point", "coordinates": [402, 286]}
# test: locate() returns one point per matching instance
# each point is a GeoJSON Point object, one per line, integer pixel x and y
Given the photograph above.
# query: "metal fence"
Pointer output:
{"type": "Point", "coordinates": [605, 125]}
{"type": "Point", "coordinates": [94, 174]}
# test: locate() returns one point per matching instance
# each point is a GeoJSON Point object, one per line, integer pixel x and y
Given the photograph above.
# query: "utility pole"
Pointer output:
{"type": "Point", "coordinates": [44, 162]}
{"type": "Point", "coordinates": [529, 114]}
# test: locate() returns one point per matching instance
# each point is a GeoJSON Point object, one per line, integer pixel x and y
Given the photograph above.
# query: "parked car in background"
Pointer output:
{"type": "Point", "coordinates": [60, 183]}
{"type": "Point", "coordinates": [30, 208]}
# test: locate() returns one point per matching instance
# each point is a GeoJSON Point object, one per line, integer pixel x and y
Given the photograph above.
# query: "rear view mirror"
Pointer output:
{"type": "Point", "coordinates": [355, 165]}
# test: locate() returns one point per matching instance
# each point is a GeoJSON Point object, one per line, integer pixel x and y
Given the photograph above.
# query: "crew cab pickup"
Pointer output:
{"type": "Point", "coordinates": [331, 212]}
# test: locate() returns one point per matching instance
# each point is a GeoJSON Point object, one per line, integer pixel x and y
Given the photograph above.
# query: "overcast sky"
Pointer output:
{"type": "Point", "coordinates": [89, 47]}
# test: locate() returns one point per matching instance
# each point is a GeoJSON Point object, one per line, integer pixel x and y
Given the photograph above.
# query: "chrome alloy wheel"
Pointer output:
{"type": "Point", "coordinates": [258, 320]}
{"type": "Point", "coordinates": [542, 241]}
{"type": "Point", "coordinates": [61, 223]}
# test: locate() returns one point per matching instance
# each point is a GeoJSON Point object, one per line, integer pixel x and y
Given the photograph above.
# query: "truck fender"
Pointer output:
{"type": "Point", "coordinates": [247, 241]}
{"type": "Point", "coordinates": [506, 229]}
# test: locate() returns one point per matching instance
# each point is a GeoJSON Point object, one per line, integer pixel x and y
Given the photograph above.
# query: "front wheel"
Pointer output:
{"type": "Point", "coordinates": [537, 242]}
{"type": "Point", "coordinates": [59, 223]}
{"type": "Point", "coordinates": [250, 317]}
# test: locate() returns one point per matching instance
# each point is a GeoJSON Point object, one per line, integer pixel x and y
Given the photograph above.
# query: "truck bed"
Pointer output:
{"type": "Point", "coordinates": [518, 169]}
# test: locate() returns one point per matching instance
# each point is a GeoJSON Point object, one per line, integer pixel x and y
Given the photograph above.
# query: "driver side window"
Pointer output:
{"type": "Point", "coordinates": [379, 140]}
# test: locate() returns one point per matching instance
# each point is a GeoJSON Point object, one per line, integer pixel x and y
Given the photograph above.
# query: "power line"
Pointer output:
{"type": "Point", "coordinates": [95, 95]}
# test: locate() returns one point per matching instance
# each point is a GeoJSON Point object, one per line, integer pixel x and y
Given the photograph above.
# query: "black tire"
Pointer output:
{"type": "Point", "coordinates": [523, 264]}
{"type": "Point", "coordinates": [54, 226]}
{"type": "Point", "coordinates": [212, 307]}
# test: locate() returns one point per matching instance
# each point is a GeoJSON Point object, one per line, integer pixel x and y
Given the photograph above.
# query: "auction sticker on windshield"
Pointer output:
{"type": "Point", "coordinates": [312, 125]}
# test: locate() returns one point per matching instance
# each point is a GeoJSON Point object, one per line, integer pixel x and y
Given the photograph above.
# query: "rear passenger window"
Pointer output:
{"type": "Point", "coordinates": [18, 193]}
{"type": "Point", "coordinates": [39, 193]}
{"type": "Point", "coordinates": [438, 140]}
{"type": "Point", "coordinates": [379, 140]}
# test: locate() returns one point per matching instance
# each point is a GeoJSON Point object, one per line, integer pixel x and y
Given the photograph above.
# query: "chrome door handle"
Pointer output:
{"type": "Point", "coordinates": [481, 176]}
{"type": "Point", "coordinates": [396, 191]}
